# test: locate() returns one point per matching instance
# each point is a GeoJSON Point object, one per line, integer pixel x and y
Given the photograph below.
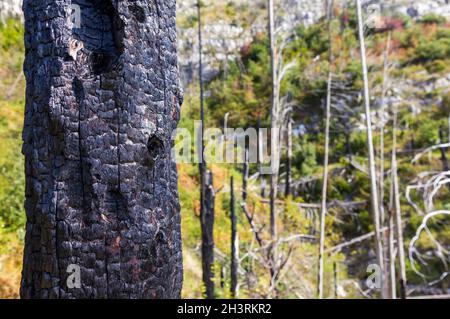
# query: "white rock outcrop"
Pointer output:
{"type": "Point", "coordinates": [10, 8]}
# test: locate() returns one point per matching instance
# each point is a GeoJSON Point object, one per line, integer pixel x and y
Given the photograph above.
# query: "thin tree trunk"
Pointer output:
{"type": "Point", "coordinates": [245, 174]}
{"type": "Point", "coordinates": [234, 247]}
{"type": "Point", "coordinates": [287, 190]}
{"type": "Point", "coordinates": [207, 259]}
{"type": "Point", "coordinates": [202, 165]}
{"type": "Point", "coordinates": [263, 188]}
{"type": "Point", "coordinates": [381, 114]}
{"type": "Point", "coordinates": [275, 142]}
{"type": "Point", "coordinates": [348, 146]}
{"type": "Point", "coordinates": [448, 129]}
{"type": "Point", "coordinates": [254, 229]}
{"type": "Point", "coordinates": [335, 276]}
{"type": "Point", "coordinates": [103, 216]}
{"type": "Point", "coordinates": [260, 160]}
{"type": "Point", "coordinates": [208, 237]}
{"type": "Point", "coordinates": [273, 120]}
{"type": "Point", "coordinates": [222, 276]}
{"type": "Point", "coordinates": [387, 260]}
{"type": "Point", "coordinates": [398, 212]}
{"type": "Point", "coordinates": [372, 169]}
{"type": "Point", "coordinates": [445, 166]}
{"type": "Point", "coordinates": [392, 283]}
{"type": "Point", "coordinates": [323, 212]}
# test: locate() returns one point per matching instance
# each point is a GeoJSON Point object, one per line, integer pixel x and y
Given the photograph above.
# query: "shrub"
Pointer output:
{"type": "Point", "coordinates": [409, 38]}
{"type": "Point", "coordinates": [432, 18]}
{"type": "Point", "coordinates": [426, 134]}
{"type": "Point", "coordinates": [11, 35]}
{"type": "Point", "coordinates": [437, 66]}
{"type": "Point", "coordinates": [354, 71]}
{"type": "Point", "coordinates": [433, 50]}
{"type": "Point", "coordinates": [443, 34]}
{"type": "Point", "coordinates": [445, 107]}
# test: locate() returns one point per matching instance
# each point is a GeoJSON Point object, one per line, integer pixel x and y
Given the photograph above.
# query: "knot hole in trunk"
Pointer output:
{"type": "Point", "coordinates": [155, 147]}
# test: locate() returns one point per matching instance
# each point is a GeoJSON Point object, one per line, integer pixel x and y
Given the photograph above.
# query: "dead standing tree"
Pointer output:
{"type": "Point", "coordinates": [280, 108]}
{"type": "Point", "coordinates": [102, 101]}
{"type": "Point", "coordinates": [323, 214]}
{"type": "Point", "coordinates": [206, 204]}
{"type": "Point", "coordinates": [207, 223]}
{"type": "Point", "coordinates": [396, 207]}
{"type": "Point", "coordinates": [264, 251]}
{"type": "Point", "coordinates": [234, 243]}
{"type": "Point", "coordinates": [273, 118]}
{"type": "Point", "coordinates": [372, 170]}
{"type": "Point", "coordinates": [289, 155]}
{"type": "Point", "coordinates": [389, 260]}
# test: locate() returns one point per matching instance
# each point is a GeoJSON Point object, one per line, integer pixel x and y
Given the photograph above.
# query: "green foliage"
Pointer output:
{"type": "Point", "coordinates": [443, 33]}
{"type": "Point", "coordinates": [425, 46]}
{"type": "Point", "coordinates": [305, 157]}
{"type": "Point", "coordinates": [11, 36]}
{"type": "Point", "coordinates": [243, 90]}
{"type": "Point", "coordinates": [432, 18]}
{"type": "Point", "coordinates": [315, 39]}
{"type": "Point", "coordinates": [426, 133]}
{"type": "Point", "coordinates": [354, 71]}
{"type": "Point", "coordinates": [12, 181]}
{"type": "Point", "coordinates": [410, 37]}
{"type": "Point", "coordinates": [236, 91]}
{"type": "Point", "coordinates": [358, 144]}
{"type": "Point", "coordinates": [445, 107]}
{"type": "Point", "coordinates": [437, 66]}
{"type": "Point", "coordinates": [434, 50]}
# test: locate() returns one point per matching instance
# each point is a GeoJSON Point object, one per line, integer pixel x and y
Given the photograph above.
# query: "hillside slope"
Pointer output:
{"type": "Point", "coordinates": [419, 87]}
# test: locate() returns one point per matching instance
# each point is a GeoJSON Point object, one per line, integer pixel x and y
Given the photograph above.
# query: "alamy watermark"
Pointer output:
{"type": "Point", "coordinates": [373, 15]}
{"type": "Point", "coordinates": [375, 278]}
{"type": "Point", "coordinates": [229, 145]}
{"type": "Point", "coordinates": [74, 18]}
{"type": "Point", "coordinates": [74, 278]}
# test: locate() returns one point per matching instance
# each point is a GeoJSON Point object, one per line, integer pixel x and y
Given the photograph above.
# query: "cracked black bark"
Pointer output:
{"type": "Point", "coordinates": [102, 101]}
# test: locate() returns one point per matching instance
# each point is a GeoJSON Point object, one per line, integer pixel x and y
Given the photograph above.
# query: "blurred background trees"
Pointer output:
{"type": "Point", "coordinates": [238, 81]}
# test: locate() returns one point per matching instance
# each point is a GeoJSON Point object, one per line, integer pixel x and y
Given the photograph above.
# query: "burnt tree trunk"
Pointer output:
{"type": "Point", "coordinates": [102, 101]}
{"type": "Point", "coordinates": [245, 173]}
{"type": "Point", "coordinates": [207, 226]}
{"type": "Point", "coordinates": [335, 280]}
{"type": "Point", "coordinates": [234, 245]}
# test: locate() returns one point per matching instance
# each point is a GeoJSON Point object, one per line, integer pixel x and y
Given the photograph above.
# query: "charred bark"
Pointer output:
{"type": "Point", "coordinates": [245, 173]}
{"type": "Point", "coordinates": [335, 281]}
{"type": "Point", "coordinates": [205, 212]}
{"type": "Point", "coordinates": [207, 225]}
{"type": "Point", "coordinates": [234, 246]}
{"type": "Point", "coordinates": [102, 101]}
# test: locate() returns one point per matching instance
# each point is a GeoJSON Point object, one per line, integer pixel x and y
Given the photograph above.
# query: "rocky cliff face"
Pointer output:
{"type": "Point", "coordinates": [223, 38]}
{"type": "Point", "coordinates": [415, 8]}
